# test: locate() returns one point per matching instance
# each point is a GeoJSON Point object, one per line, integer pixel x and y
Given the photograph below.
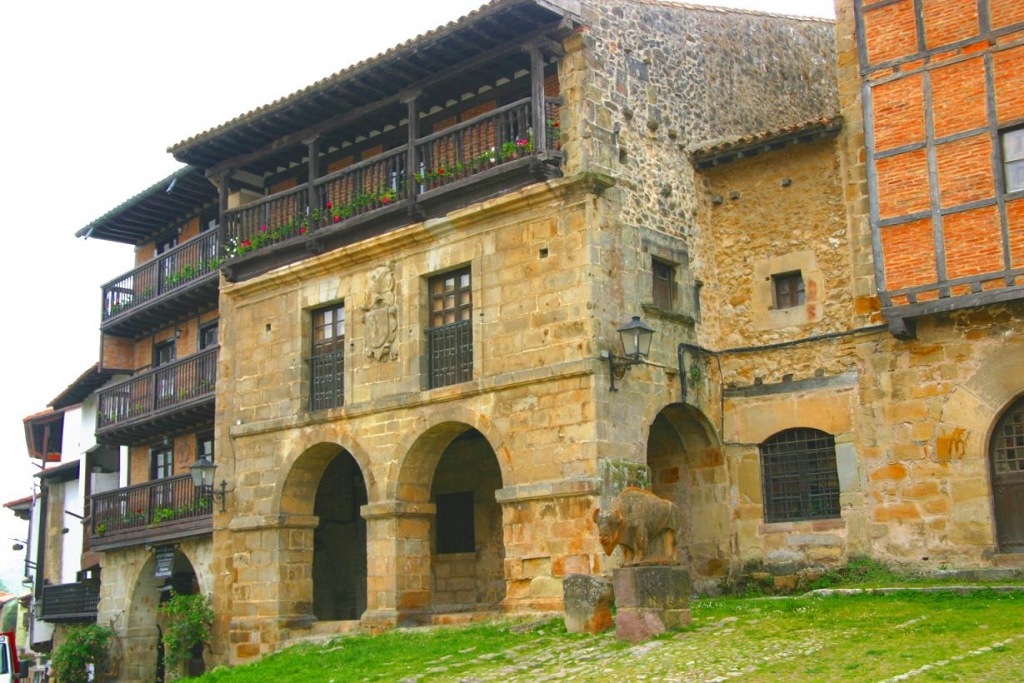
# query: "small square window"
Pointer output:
{"type": "Point", "coordinates": [788, 290]}
{"type": "Point", "coordinates": [664, 285]}
{"type": "Point", "coordinates": [454, 528]}
{"type": "Point", "coordinates": [1013, 159]}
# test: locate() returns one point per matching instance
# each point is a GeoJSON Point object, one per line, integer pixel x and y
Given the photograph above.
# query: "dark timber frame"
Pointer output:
{"type": "Point", "coordinates": [938, 296]}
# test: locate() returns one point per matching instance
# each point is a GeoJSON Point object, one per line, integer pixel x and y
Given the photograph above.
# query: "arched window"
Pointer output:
{"type": "Point", "coordinates": [1006, 452]}
{"type": "Point", "coordinates": [798, 476]}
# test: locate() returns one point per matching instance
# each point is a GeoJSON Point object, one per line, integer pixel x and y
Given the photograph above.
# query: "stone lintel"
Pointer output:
{"type": "Point", "coordinates": [844, 380]}
{"type": "Point", "coordinates": [397, 508]}
{"type": "Point", "coordinates": [561, 488]}
{"type": "Point", "coordinates": [260, 522]}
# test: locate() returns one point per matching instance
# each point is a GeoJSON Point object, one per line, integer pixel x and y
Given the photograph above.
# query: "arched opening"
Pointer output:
{"type": "Point", "coordinates": [166, 572]}
{"type": "Point", "coordinates": [688, 468]}
{"type": "Point", "coordinates": [339, 541]}
{"type": "Point", "coordinates": [1006, 459]}
{"type": "Point", "coordinates": [468, 551]}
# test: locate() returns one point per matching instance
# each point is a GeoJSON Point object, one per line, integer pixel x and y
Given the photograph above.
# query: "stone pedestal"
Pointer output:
{"type": "Point", "coordinates": [588, 603]}
{"type": "Point", "coordinates": [650, 600]}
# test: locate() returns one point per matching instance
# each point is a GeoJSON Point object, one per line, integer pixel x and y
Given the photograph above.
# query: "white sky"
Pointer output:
{"type": "Point", "coordinates": [91, 96]}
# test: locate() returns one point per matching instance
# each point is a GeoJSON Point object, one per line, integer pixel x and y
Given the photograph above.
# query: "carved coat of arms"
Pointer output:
{"type": "Point", "coordinates": [380, 314]}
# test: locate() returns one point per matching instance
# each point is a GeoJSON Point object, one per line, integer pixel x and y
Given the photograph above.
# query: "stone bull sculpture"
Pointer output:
{"type": "Point", "coordinates": [643, 524]}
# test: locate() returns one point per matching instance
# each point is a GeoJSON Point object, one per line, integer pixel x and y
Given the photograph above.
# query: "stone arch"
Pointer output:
{"type": "Point", "coordinates": [328, 482]}
{"type": "Point", "coordinates": [688, 467]}
{"type": "Point", "coordinates": [1006, 466]}
{"type": "Point", "coordinates": [305, 469]}
{"type": "Point", "coordinates": [969, 417]}
{"type": "Point", "coordinates": [142, 647]}
{"type": "Point", "coordinates": [467, 534]}
{"type": "Point", "coordinates": [419, 453]}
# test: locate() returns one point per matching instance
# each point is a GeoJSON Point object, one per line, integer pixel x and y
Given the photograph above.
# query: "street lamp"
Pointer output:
{"type": "Point", "coordinates": [202, 471]}
{"type": "Point", "coordinates": [636, 337]}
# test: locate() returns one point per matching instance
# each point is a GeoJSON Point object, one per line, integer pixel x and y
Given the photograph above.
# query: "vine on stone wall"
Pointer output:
{"type": "Point", "coordinates": [187, 622]}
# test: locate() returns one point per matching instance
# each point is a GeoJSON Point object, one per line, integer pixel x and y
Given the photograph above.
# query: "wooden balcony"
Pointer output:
{"type": "Point", "coordinates": [152, 512]}
{"type": "Point", "coordinates": [178, 282]}
{"type": "Point", "coordinates": [168, 400]}
{"type": "Point", "coordinates": [493, 153]}
{"type": "Point", "coordinates": [68, 602]}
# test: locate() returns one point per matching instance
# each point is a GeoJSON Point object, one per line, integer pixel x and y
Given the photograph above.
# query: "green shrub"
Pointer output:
{"type": "Point", "coordinates": [187, 622]}
{"type": "Point", "coordinates": [83, 646]}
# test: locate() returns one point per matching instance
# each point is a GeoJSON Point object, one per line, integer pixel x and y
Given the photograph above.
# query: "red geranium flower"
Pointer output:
{"type": "Point", "coordinates": [337, 219]}
{"type": "Point", "coordinates": [329, 205]}
{"type": "Point", "coordinates": [246, 243]}
{"type": "Point", "coordinates": [440, 171]}
{"type": "Point", "coordinates": [385, 200]}
{"type": "Point", "coordinates": [263, 228]}
{"type": "Point", "coordinates": [302, 231]}
{"type": "Point", "coordinates": [138, 511]}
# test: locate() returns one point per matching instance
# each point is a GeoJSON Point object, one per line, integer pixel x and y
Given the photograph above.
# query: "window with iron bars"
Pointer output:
{"type": "Point", "coordinates": [450, 335]}
{"type": "Point", "coordinates": [327, 358]}
{"type": "Point", "coordinates": [799, 478]}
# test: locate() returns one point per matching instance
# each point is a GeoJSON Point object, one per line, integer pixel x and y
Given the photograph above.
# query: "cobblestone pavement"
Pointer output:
{"type": "Point", "coordinates": [715, 653]}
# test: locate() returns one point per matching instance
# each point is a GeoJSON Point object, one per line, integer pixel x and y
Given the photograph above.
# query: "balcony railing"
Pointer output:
{"type": "Point", "coordinates": [455, 156]}
{"type": "Point", "coordinates": [68, 602]}
{"type": "Point", "coordinates": [158, 391]}
{"type": "Point", "coordinates": [157, 510]}
{"type": "Point", "coordinates": [169, 272]}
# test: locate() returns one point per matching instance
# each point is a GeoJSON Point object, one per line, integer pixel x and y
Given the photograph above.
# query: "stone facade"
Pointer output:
{"type": "Point", "coordinates": [707, 155]}
{"type": "Point", "coordinates": [554, 268]}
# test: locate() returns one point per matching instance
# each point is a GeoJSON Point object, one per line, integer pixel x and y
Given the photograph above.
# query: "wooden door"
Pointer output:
{"type": "Point", "coordinates": [1007, 457]}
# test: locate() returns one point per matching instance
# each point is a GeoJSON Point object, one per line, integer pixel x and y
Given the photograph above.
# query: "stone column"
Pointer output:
{"type": "Point", "coordinates": [272, 592]}
{"type": "Point", "coordinates": [399, 590]}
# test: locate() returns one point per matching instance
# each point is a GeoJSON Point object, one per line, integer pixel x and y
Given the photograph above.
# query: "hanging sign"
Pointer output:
{"type": "Point", "coordinates": [163, 562]}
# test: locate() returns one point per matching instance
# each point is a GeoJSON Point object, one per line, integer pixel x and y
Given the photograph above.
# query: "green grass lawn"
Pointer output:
{"type": "Point", "coordinates": [942, 636]}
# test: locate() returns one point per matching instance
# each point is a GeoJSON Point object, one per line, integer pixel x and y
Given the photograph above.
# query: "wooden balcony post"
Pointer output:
{"type": "Point", "coordinates": [313, 201]}
{"type": "Point", "coordinates": [537, 95]}
{"type": "Point", "coordinates": [411, 162]}
{"type": "Point", "coordinates": [223, 189]}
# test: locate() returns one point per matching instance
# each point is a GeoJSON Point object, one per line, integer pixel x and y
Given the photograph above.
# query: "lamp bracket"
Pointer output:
{"type": "Point", "coordinates": [617, 366]}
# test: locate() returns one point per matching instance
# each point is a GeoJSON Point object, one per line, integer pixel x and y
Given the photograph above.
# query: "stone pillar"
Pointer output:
{"type": "Point", "coordinates": [399, 586]}
{"type": "Point", "coordinates": [272, 589]}
{"type": "Point", "coordinates": [650, 600]}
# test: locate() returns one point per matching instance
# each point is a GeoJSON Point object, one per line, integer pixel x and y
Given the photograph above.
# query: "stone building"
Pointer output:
{"type": "Point", "coordinates": [431, 254]}
{"type": "Point", "coordinates": [424, 264]}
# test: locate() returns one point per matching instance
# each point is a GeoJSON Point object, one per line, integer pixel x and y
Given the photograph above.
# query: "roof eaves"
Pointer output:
{"type": "Point", "coordinates": [83, 385]}
{"type": "Point", "coordinates": [339, 76]}
{"type": "Point", "coordinates": [163, 186]}
{"type": "Point", "coordinates": [708, 154]}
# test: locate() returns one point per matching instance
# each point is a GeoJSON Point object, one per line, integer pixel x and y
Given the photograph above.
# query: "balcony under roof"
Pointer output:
{"type": "Point", "coordinates": [472, 47]}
